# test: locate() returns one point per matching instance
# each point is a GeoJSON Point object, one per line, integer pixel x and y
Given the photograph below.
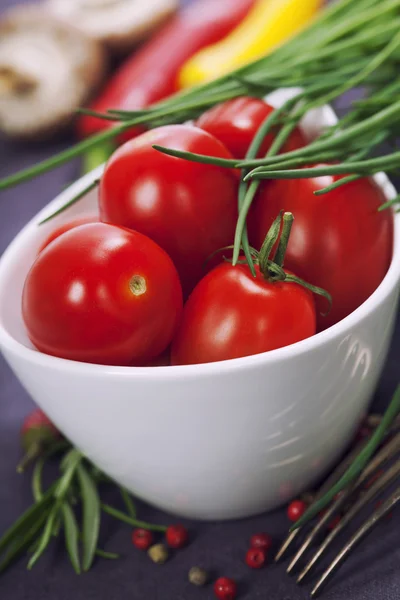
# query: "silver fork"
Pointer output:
{"type": "Point", "coordinates": [369, 485]}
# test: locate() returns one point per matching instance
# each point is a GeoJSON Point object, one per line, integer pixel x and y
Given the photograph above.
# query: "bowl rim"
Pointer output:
{"type": "Point", "coordinates": [9, 343]}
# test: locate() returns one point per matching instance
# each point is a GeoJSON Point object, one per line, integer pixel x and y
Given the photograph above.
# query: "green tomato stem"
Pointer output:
{"type": "Point", "coordinates": [279, 257]}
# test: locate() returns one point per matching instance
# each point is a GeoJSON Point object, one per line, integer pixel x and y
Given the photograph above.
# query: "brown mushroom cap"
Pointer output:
{"type": "Point", "coordinates": [120, 24]}
{"type": "Point", "coordinates": [48, 69]}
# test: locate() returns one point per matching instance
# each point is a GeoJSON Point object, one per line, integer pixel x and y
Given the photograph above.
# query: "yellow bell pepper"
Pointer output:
{"type": "Point", "coordinates": [267, 25]}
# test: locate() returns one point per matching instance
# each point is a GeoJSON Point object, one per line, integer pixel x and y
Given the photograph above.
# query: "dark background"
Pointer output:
{"type": "Point", "coordinates": [371, 574]}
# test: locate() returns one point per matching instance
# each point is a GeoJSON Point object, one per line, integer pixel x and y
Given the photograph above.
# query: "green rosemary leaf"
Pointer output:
{"type": "Point", "coordinates": [23, 541]}
{"type": "Point", "coordinates": [366, 167]}
{"type": "Point", "coordinates": [71, 462]}
{"type": "Point", "coordinates": [91, 186]}
{"type": "Point", "coordinates": [117, 514]}
{"type": "Point", "coordinates": [98, 115]}
{"type": "Point", "coordinates": [337, 184]}
{"type": "Point", "coordinates": [27, 518]}
{"type": "Point", "coordinates": [45, 537]}
{"type": "Point", "coordinates": [108, 555]}
{"type": "Point", "coordinates": [98, 155]}
{"type": "Point", "coordinates": [241, 223]}
{"type": "Point", "coordinates": [130, 506]}
{"type": "Point", "coordinates": [38, 469]}
{"type": "Point", "coordinates": [91, 516]}
{"type": "Point", "coordinates": [358, 465]}
{"type": "Point", "coordinates": [390, 203]}
{"type": "Point", "coordinates": [199, 158]}
{"type": "Point", "coordinates": [57, 526]}
{"type": "Point", "coordinates": [71, 532]}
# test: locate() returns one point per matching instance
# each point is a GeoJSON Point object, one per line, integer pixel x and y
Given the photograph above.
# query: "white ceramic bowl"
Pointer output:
{"type": "Point", "coordinates": [213, 441]}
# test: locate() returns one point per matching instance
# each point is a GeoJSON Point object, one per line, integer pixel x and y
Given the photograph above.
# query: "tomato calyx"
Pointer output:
{"type": "Point", "coordinates": [271, 262]}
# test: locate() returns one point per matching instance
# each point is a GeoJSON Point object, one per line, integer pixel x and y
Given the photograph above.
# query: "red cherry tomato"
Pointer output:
{"type": "Point", "coordinates": [236, 122]}
{"type": "Point", "coordinates": [164, 360]}
{"type": "Point", "coordinates": [102, 294]}
{"type": "Point", "coordinates": [339, 241]}
{"type": "Point", "coordinates": [189, 209]}
{"type": "Point", "coordinates": [232, 314]}
{"type": "Point", "coordinates": [66, 227]}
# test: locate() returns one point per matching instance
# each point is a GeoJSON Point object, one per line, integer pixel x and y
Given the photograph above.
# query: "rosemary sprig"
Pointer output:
{"type": "Point", "coordinates": [53, 511]}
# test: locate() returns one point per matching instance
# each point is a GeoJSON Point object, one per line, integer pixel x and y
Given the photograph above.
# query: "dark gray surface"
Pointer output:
{"type": "Point", "coordinates": [371, 574]}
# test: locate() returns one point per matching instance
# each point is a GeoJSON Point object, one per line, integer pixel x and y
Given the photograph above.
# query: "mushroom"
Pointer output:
{"type": "Point", "coordinates": [48, 69]}
{"type": "Point", "coordinates": [120, 24]}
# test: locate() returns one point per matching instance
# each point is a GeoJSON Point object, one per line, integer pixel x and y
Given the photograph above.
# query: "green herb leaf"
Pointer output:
{"type": "Point", "coordinates": [45, 537]}
{"type": "Point", "coordinates": [23, 541]}
{"type": "Point", "coordinates": [198, 158]}
{"type": "Point", "coordinates": [71, 536]}
{"type": "Point", "coordinates": [108, 555]}
{"type": "Point", "coordinates": [130, 506]}
{"type": "Point", "coordinates": [70, 464]}
{"type": "Point", "coordinates": [117, 514]}
{"type": "Point", "coordinates": [91, 516]}
{"type": "Point", "coordinates": [38, 469]}
{"type": "Point", "coordinates": [29, 517]}
{"type": "Point", "coordinates": [73, 201]}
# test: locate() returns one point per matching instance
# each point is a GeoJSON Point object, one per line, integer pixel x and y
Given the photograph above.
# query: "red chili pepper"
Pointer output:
{"type": "Point", "coordinates": [151, 74]}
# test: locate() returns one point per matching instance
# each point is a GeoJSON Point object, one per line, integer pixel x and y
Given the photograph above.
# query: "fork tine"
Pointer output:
{"type": "Point", "coordinates": [286, 544]}
{"type": "Point", "coordinates": [383, 456]}
{"type": "Point", "coordinates": [388, 451]}
{"type": "Point", "coordinates": [379, 485]}
{"type": "Point", "coordinates": [362, 532]}
{"type": "Point", "coordinates": [332, 479]}
{"type": "Point", "coordinates": [319, 526]}
{"type": "Point", "coordinates": [374, 420]}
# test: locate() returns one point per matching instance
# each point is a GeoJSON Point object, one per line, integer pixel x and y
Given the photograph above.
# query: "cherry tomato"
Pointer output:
{"type": "Point", "coordinates": [102, 294]}
{"type": "Point", "coordinates": [189, 209]}
{"type": "Point", "coordinates": [164, 360]}
{"type": "Point", "coordinates": [232, 314]}
{"type": "Point", "coordinates": [66, 227]}
{"type": "Point", "coordinates": [339, 241]}
{"type": "Point", "coordinates": [236, 122]}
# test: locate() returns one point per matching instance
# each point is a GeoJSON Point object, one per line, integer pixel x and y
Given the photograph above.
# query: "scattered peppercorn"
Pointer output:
{"type": "Point", "coordinates": [225, 589]}
{"type": "Point", "coordinates": [158, 554]}
{"type": "Point", "coordinates": [296, 509]}
{"type": "Point", "coordinates": [256, 558]}
{"type": "Point", "coordinates": [177, 536]}
{"type": "Point", "coordinates": [198, 576]}
{"type": "Point", "coordinates": [263, 541]}
{"type": "Point", "coordinates": [142, 539]}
